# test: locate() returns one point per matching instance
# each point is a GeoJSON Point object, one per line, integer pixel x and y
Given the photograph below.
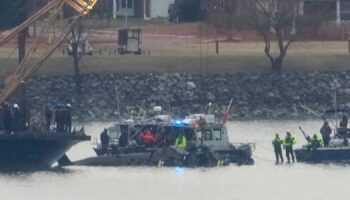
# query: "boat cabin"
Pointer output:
{"type": "Point", "coordinates": [213, 135]}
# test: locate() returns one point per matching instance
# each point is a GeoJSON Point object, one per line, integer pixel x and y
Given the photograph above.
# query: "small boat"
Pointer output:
{"type": "Point", "coordinates": [337, 151]}
{"type": "Point", "coordinates": [323, 154]}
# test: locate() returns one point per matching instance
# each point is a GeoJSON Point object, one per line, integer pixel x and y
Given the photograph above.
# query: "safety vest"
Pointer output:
{"type": "Point", "coordinates": [289, 141]}
{"type": "Point", "coordinates": [181, 143]}
{"type": "Point", "coordinates": [318, 142]}
{"type": "Point", "coordinates": [277, 142]}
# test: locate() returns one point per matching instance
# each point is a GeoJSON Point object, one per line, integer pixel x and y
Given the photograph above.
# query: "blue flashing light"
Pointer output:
{"type": "Point", "coordinates": [180, 170]}
{"type": "Point", "coordinates": [180, 123]}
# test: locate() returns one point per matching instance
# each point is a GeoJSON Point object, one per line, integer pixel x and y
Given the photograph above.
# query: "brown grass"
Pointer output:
{"type": "Point", "coordinates": [173, 54]}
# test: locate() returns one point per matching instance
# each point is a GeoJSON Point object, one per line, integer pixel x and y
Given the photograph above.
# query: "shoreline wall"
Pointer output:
{"type": "Point", "coordinates": [255, 96]}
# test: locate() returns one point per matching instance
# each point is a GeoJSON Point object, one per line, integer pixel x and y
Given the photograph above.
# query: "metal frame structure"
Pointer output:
{"type": "Point", "coordinates": [35, 59]}
{"type": "Point", "coordinates": [125, 36]}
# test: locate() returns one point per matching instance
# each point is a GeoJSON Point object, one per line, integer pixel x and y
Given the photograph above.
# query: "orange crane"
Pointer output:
{"type": "Point", "coordinates": [35, 58]}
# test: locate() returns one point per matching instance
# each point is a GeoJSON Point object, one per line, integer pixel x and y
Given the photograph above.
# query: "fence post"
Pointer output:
{"type": "Point", "coordinates": [217, 46]}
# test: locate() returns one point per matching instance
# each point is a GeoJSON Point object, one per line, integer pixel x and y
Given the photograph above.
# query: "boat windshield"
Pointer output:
{"type": "Point", "coordinates": [114, 132]}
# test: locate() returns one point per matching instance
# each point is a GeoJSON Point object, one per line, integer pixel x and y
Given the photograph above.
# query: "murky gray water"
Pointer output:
{"type": "Point", "coordinates": [264, 180]}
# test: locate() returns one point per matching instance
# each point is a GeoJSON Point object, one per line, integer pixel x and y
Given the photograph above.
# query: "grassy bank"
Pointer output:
{"type": "Point", "coordinates": [188, 55]}
{"type": "Point", "coordinates": [194, 64]}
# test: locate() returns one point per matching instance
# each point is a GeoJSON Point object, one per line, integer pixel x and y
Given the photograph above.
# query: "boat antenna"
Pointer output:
{"type": "Point", "coordinates": [227, 111]}
{"type": "Point", "coordinates": [229, 105]}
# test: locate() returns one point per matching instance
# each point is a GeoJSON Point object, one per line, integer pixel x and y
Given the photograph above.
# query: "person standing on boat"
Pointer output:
{"type": "Point", "coordinates": [344, 122]}
{"type": "Point", "coordinates": [181, 141]}
{"type": "Point", "coordinates": [67, 118]}
{"type": "Point", "coordinates": [148, 138]}
{"type": "Point", "coordinates": [59, 117]}
{"type": "Point", "coordinates": [15, 118]}
{"type": "Point", "coordinates": [48, 117]}
{"type": "Point", "coordinates": [288, 143]}
{"type": "Point", "coordinates": [202, 126]}
{"type": "Point", "coordinates": [316, 142]}
{"type": "Point", "coordinates": [277, 143]}
{"type": "Point", "coordinates": [104, 139]}
{"type": "Point", "coordinates": [326, 132]}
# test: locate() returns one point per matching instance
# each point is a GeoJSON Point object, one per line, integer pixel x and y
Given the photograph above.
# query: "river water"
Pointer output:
{"type": "Point", "coordinates": [264, 180]}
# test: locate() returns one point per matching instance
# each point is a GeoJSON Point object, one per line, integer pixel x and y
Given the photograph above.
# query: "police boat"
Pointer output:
{"type": "Point", "coordinates": [206, 144]}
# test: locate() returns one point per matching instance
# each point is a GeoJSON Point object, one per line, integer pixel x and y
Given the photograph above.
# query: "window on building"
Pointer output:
{"type": "Point", "coordinates": [345, 10]}
{"type": "Point", "coordinates": [130, 3]}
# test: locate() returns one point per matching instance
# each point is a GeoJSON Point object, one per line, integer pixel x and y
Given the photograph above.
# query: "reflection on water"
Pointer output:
{"type": "Point", "coordinates": [264, 180]}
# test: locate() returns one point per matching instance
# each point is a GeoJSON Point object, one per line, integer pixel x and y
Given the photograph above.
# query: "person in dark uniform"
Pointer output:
{"type": "Point", "coordinates": [202, 126]}
{"type": "Point", "coordinates": [48, 117]}
{"type": "Point", "coordinates": [277, 143]}
{"type": "Point", "coordinates": [344, 122]}
{"type": "Point", "coordinates": [15, 118]}
{"type": "Point", "coordinates": [104, 139]}
{"type": "Point", "coordinates": [326, 132]}
{"type": "Point", "coordinates": [59, 118]}
{"type": "Point", "coordinates": [124, 135]}
{"type": "Point", "coordinates": [67, 118]}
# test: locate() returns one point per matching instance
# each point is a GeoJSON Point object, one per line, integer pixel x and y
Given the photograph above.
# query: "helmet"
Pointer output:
{"type": "Point", "coordinates": [68, 105]}
{"type": "Point", "coordinates": [15, 105]}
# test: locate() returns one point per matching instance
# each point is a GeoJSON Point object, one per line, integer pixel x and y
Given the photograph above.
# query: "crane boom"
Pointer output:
{"type": "Point", "coordinates": [35, 59]}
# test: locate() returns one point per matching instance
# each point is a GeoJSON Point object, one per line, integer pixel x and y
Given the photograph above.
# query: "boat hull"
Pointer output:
{"type": "Point", "coordinates": [330, 154]}
{"type": "Point", "coordinates": [35, 150]}
{"type": "Point", "coordinates": [196, 157]}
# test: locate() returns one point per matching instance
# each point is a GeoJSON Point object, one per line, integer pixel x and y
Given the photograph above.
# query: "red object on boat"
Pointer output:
{"type": "Point", "coordinates": [148, 138]}
{"type": "Point", "coordinates": [225, 117]}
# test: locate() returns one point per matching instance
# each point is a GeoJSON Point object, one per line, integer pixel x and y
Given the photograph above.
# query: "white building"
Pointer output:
{"type": "Point", "coordinates": [146, 9]}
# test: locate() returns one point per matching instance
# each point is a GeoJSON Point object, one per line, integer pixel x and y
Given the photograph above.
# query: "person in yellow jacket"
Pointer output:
{"type": "Point", "coordinates": [316, 142]}
{"type": "Point", "coordinates": [181, 142]}
{"type": "Point", "coordinates": [288, 143]}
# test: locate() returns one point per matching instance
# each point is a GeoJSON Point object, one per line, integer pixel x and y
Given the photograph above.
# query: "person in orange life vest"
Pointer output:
{"type": "Point", "coordinates": [148, 138]}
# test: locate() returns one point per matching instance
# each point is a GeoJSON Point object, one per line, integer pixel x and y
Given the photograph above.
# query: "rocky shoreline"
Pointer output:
{"type": "Point", "coordinates": [255, 96]}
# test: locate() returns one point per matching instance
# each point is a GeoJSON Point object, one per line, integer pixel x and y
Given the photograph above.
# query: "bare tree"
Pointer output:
{"type": "Point", "coordinates": [278, 22]}
{"type": "Point", "coordinates": [275, 20]}
{"type": "Point", "coordinates": [77, 51]}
